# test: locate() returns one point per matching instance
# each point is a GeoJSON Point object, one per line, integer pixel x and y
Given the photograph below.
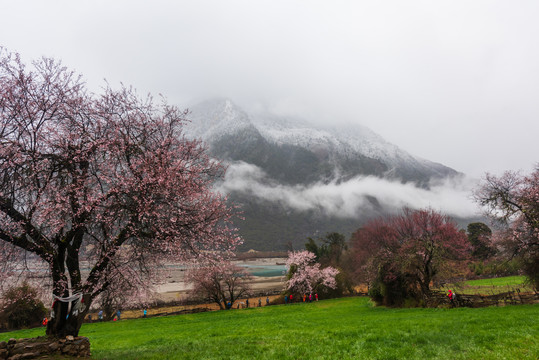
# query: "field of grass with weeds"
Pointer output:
{"type": "Point", "coordinates": [492, 286]}
{"type": "Point", "coordinates": [348, 328]}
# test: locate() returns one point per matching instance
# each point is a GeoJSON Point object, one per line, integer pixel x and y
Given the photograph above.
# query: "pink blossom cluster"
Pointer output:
{"type": "Point", "coordinates": [306, 275]}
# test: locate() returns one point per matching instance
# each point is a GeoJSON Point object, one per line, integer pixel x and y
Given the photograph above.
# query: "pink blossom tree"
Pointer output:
{"type": "Point", "coordinates": [373, 244]}
{"type": "Point", "coordinates": [306, 276]}
{"type": "Point", "coordinates": [428, 239]}
{"type": "Point", "coordinates": [410, 248]}
{"type": "Point", "coordinates": [220, 282]}
{"type": "Point", "coordinates": [100, 180]}
{"type": "Point", "coordinates": [11, 265]}
{"type": "Point", "coordinates": [513, 200]}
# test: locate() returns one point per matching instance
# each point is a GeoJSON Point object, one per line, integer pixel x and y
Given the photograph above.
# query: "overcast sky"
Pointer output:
{"type": "Point", "coordinates": [455, 82]}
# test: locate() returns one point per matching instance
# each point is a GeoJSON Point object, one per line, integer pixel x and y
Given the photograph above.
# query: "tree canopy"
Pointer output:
{"type": "Point", "coordinates": [108, 180]}
{"type": "Point", "coordinates": [480, 238]}
{"type": "Point", "coordinates": [306, 275]}
{"type": "Point", "coordinates": [513, 200]}
{"type": "Point", "coordinates": [407, 250]}
{"type": "Point", "coordinates": [221, 282]}
{"type": "Point", "coordinates": [330, 250]}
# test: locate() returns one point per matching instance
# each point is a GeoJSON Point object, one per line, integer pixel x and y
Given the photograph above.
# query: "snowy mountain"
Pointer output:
{"type": "Point", "coordinates": [215, 118]}
{"type": "Point", "coordinates": [296, 180]}
{"type": "Point", "coordinates": [333, 152]}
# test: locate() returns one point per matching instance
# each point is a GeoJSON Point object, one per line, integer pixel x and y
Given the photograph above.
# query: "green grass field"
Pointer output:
{"type": "Point", "coordinates": [492, 286]}
{"type": "Point", "coordinates": [349, 328]}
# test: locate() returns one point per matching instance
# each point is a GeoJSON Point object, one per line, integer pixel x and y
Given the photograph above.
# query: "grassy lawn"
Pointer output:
{"type": "Point", "coordinates": [349, 328]}
{"type": "Point", "coordinates": [492, 286]}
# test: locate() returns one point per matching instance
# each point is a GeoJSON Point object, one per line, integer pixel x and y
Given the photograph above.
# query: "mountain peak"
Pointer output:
{"type": "Point", "coordinates": [215, 118]}
{"type": "Point", "coordinates": [351, 149]}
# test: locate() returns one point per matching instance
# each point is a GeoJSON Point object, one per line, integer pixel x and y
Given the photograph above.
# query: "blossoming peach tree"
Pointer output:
{"type": "Point", "coordinates": [407, 251]}
{"type": "Point", "coordinates": [306, 275]}
{"type": "Point", "coordinates": [513, 200]}
{"type": "Point", "coordinates": [220, 282]}
{"type": "Point", "coordinates": [100, 186]}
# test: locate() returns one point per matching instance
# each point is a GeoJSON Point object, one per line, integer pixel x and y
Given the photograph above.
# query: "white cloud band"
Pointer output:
{"type": "Point", "coordinates": [348, 198]}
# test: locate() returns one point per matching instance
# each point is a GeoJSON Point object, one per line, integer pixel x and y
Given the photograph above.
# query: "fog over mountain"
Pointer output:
{"type": "Point", "coordinates": [348, 199]}
{"type": "Point", "coordinates": [294, 179]}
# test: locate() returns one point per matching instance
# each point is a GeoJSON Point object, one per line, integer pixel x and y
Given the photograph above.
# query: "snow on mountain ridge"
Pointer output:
{"type": "Point", "coordinates": [214, 119]}
{"type": "Point", "coordinates": [345, 140]}
{"type": "Point", "coordinates": [296, 132]}
{"type": "Point", "coordinates": [368, 143]}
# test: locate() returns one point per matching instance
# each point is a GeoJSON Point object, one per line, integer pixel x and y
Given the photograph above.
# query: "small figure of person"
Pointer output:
{"type": "Point", "coordinates": [267, 300]}
{"type": "Point", "coordinates": [316, 296]}
{"type": "Point", "coordinates": [45, 321]}
{"type": "Point", "coordinates": [100, 315]}
{"type": "Point", "coordinates": [119, 314]}
{"type": "Point", "coordinates": [290, 299]}
{"type": "Point", "coordinates": [304, 297]}
{"type": "Point", "coordinates": [311, 297]}
{"type": "Point", "coordinates": [451, 297]}
{"type": "Point", "coordinates": [90, 318]}
{"type": "Point", "coordinates": [145, 313]}
{"type": "Point", "coordinates": [286, 299]}
{"type": "Point", "coordinates": [247, 303]}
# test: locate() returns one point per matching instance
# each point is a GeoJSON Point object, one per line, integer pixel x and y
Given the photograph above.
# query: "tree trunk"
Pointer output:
{"type": "Point", "coordinates": [68, 317]}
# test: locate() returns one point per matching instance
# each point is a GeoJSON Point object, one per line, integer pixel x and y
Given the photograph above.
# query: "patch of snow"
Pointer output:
{"type": "Point", "coordinates": [215, 118]}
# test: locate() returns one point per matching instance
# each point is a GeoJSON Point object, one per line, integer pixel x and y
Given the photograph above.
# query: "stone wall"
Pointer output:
{"type": "Point", "coordinates": [17, 349]}
{"type": "Point", "coordinates": [438, 298]}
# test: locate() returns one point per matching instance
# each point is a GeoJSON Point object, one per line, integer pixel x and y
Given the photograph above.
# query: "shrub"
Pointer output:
{"type": "Point", "coordinates": [344, 286]}
{"type": "Point", "coordinates": [22, 307]}
{"type": "Point", "coordinates": [393, 289]}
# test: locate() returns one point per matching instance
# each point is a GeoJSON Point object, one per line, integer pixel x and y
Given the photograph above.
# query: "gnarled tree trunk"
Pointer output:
{"type": "Point", "coordinates": [67, 316]}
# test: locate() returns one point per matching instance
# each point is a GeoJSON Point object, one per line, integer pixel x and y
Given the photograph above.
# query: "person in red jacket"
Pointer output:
{"type": "Point", "coordinates": [451, 297]}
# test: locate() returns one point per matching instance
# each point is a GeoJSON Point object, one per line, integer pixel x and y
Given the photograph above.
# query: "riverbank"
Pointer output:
{"type": "Point", "coordinates": [176, 290]}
